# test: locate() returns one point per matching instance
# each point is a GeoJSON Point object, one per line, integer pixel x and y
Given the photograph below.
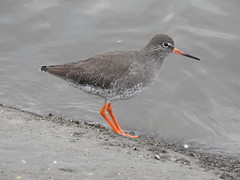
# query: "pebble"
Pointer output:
{"type": "Point", "coordinates": [157, 157]}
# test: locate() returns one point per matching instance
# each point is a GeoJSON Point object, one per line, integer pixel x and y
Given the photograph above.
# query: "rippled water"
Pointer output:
{"type": "Point", "coordinates": [191, 102]}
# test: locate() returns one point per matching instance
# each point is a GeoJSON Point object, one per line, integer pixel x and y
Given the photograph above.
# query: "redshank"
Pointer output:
{"type": "Point", "coordinates": [118, 75]}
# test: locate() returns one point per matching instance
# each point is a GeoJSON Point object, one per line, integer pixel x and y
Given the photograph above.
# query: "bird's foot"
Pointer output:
{"type": "Point", "coordinates": [129, 135]}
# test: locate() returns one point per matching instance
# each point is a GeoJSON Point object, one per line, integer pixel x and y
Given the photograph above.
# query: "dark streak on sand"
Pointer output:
{"type": "Point", "coordinates": [112, 156]}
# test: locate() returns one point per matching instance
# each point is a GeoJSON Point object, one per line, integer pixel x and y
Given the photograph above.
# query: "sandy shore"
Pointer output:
{"type": "Point", "coordinates": [36, 147]}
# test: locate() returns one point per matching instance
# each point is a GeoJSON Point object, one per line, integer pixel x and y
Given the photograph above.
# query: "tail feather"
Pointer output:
{"type": "Point", "coordinates": [57, 70]}
{"type": "Point", "coordinates": [43, 68]}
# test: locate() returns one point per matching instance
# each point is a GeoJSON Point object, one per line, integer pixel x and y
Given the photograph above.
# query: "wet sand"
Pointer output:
{"type": "Point", "coordinates": [36, 147]}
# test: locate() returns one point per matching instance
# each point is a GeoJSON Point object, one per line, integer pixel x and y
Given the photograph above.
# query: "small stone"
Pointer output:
{"type": "Point", "coordinates": [157, 157]}
{"type": "Point", "coordinates": [183, 161]}
{"type": "Point", "coordinates": [134, 148]}
{"type": "Point", "coordinates": [58, 118]}
{"type": "Point", "coordinates": [163, 151]}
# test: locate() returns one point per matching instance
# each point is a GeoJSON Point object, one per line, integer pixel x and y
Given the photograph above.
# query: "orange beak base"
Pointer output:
{"type": "Point", "coordinates": [177, 51]}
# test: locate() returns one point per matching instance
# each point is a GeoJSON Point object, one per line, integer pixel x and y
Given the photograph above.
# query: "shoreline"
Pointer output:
{"type": "Point", "coordinates": [37, 147]}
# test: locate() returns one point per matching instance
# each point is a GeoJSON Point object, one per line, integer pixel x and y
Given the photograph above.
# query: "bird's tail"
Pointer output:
{"type": "Point", "coordinates": [44, 69]}
{"type": "Point", "coordinates": [57, 70]}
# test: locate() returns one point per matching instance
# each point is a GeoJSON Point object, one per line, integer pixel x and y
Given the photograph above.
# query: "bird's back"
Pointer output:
{"type": "Point", "coordinates": [109, 75]}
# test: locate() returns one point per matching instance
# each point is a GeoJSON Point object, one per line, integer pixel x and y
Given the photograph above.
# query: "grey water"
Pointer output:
{"type": "Point", "coordinates": [192, 102]}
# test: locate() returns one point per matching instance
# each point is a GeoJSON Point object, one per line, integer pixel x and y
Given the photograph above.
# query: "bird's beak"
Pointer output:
{"type": "Point", "coordinates": [177, 51]}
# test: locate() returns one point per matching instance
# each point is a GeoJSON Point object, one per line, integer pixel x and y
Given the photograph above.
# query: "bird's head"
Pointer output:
{"type": "Point", "coordinates": [162, 45]}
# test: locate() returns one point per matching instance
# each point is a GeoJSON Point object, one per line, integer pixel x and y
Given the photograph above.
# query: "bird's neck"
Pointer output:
{"type": "Point", "coordinates": [152, 58]}
{"type": "Point", "coordinates": [152, 62]}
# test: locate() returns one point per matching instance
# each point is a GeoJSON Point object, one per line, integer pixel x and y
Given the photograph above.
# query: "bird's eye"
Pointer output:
{"type": "Point", "coordinates": [165, 44]}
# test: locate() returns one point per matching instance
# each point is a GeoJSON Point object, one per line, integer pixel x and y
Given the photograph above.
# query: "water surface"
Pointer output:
{"type": "Point", "coordinates": [191, 102]}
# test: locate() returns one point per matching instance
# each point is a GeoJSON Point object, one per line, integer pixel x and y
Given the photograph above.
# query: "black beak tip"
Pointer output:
{"type": "Point", "coordinates": [187, 55]}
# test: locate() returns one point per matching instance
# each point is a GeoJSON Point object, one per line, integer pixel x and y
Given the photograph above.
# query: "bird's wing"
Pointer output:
{"type": "Point", "coordinates": [98, 71]}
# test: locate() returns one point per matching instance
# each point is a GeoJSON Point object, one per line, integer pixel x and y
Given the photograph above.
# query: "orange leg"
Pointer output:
{"type": "Point", "coordinates": [109, 109]}
{"type": "Point", "coordinates": [115, 126]}
{"type": "Point", "coordinates": [110, 112]}
{"type": "Point", "coordinates": [102, 112]}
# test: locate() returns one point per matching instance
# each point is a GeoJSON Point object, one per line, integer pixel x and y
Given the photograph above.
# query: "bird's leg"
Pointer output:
{"type": "Point", "coordinates": [102, 112]}
{"type": "Point", "coordinates": [109, 109]}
